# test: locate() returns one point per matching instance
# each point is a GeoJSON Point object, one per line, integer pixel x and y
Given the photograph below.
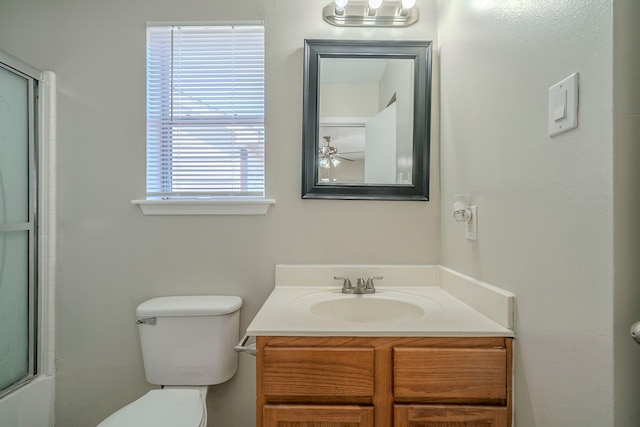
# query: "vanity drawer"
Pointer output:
{"type": "Point", "coordinates": [455, 375]}
{"type": "Point", "coordinates": [450, 415]}
{"type": "Point", "coordinates": [318, 374]}
{"type": "Point", "coordinates": [318, 415]}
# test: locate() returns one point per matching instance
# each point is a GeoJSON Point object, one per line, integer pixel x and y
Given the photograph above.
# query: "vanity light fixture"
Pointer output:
{"type": "Point", "coordinates": [340, 5]}
{"type": "Point", "coordinates": [373, 7]}
{"type": "Point", "coordinates": [374, 13]}
{"type": "Point", "coordinates": [407, 5]}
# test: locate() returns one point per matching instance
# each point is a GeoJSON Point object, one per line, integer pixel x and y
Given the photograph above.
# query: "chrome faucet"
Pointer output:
{"type": "Point", "coordinates": [369, 288]}
{"type": "Point", "coordinates": [346, 285]}
{"type": "Point", "coordinates": [362, 286]}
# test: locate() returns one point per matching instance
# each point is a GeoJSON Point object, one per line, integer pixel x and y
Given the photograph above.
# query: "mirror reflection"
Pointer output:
{"type": "Point", "coordinates": [365, 113]}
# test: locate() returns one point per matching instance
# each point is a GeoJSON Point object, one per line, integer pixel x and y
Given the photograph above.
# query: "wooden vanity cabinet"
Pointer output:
{"type": "Point", "coordinates": [383, 382]}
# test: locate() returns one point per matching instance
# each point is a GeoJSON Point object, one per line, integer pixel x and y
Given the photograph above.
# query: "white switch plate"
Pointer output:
{"type": "Point", "coordinates": [471, 231]}
{"type": "Point", "coordinates": [559, 123]}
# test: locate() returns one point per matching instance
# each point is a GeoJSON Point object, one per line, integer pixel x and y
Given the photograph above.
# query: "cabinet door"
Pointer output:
{"type": "Point", "coordinates": [317, 416]}
{"type": "Point", "coordinates": [449, 416]}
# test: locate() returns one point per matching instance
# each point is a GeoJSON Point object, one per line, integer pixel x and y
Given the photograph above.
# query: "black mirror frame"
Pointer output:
{"type": "Point", "coordinates": [420, 52]}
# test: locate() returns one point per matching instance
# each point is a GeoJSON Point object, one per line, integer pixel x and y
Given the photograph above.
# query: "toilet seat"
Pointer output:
{"type": "Point", "coordinates": [161, 408]}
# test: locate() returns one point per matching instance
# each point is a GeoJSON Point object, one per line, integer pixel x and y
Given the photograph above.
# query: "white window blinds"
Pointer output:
{"type": "Point", "coordinates": [205, 111]}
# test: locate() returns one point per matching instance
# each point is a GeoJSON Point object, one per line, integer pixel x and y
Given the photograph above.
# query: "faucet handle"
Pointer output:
{"type": "Point", "coordinates": [346, 284]}
{"type": "Point", "coordinates": [369, 287]}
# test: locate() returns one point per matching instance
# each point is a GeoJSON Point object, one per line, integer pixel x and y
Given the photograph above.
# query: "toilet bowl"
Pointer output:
{"type": "Point", "coordinates": [187, 344]}
{"type": "Point", "coordinates": [168, 407]}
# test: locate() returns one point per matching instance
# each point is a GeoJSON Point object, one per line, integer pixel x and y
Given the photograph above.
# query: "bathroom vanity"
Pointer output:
{"type": "Point", "coordinates": [446, 364]}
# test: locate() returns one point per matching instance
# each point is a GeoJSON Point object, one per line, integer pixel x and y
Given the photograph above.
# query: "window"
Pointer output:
{"type": "Point", "coordinates": [205, 112]}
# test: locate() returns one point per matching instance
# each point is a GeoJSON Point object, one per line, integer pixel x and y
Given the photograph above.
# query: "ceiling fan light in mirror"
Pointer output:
{"type": "Point", "coordinates": [372, 13]}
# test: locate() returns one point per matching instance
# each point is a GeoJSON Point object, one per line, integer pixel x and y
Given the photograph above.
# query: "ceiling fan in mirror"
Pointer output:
{"type": "Point", "coordinates": [328, 155]}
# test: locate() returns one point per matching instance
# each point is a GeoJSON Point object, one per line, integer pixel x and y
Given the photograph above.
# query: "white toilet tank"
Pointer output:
{"type": "Point", "coordinates": [188, 340]}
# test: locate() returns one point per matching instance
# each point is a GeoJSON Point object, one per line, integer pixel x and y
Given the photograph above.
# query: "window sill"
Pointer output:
{"type": "Point", "coordinates": [204, 207]}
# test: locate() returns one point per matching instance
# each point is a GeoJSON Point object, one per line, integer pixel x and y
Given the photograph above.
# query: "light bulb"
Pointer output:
{"type": "Point", "coordinates": [340, 5]}
{"type": "Point", "coordinates": [335, 162]}
{"type": "Point", "coordinates": [408, 4]}
{"type": "Point", "coordinates": [374, 4]}
{"type": "Point", "coordinates": [324, 163]}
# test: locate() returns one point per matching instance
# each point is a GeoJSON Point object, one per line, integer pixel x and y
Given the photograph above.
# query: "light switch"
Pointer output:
{"type": "Point", "coordinates": [563, 105]}
{"type": "Point", "coordinates": [560, 111]}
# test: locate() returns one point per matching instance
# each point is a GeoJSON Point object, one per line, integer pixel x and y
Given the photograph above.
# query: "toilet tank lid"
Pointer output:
{"type": "Point", "coordinates": [195, 305]}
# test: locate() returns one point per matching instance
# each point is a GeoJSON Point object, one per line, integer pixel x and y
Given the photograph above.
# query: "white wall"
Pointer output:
{"type": "Point", "coordinates": [398, 80]}
{"type": "Point", "coordinates": [348, 100]}
{"type": "Point", "coordinates": [545, 205]}
{"type": "Point", "coordinates": [111, 257]}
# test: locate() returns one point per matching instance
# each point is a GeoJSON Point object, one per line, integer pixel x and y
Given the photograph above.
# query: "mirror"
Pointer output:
{"type": "Point", "coordinates": [366, 119]}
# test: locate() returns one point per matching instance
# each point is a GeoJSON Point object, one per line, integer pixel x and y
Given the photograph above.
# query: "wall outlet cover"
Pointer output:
{"type": "Point", "coordinates": [471, 231]}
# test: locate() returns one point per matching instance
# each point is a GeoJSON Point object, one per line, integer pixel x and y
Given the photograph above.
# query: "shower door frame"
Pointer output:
{"type": "Point", "coordinates": [32, 75]}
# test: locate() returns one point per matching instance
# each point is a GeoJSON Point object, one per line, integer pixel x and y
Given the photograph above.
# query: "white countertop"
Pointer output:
{"type": "Point", "coordinates": [445, 315]}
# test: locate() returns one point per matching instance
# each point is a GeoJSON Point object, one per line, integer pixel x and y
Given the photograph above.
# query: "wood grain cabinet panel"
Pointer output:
{"type": "Point", "coordinates": [340, 374]}
{"type": "Point", "coordinates": [469, 375]}
{"type": "Point", "coordinates": [450, 416]}
{"type": "Point", "coordinates": [317, 416]}
{"type": "Point", "coordinates": [383, 381]}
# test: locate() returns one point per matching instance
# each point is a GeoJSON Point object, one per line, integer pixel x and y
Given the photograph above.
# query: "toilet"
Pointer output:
{"type": "Point", "coordinates": [187, 344]}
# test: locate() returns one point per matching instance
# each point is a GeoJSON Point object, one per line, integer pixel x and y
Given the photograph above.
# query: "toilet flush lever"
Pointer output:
{"type": "Point", "coordinates": [147, 321]}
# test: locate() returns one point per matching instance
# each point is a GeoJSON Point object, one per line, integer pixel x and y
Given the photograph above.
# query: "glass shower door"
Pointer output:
{"type": "Point", "coordinates": [17, 229]}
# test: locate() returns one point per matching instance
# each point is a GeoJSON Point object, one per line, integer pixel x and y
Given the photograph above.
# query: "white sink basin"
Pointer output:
{"type": "Point", "coordinates": [384, 306]}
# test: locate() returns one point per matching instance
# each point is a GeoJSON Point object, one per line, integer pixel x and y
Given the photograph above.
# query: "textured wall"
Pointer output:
{"type": "Point", "coordinates": [544, 204]}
